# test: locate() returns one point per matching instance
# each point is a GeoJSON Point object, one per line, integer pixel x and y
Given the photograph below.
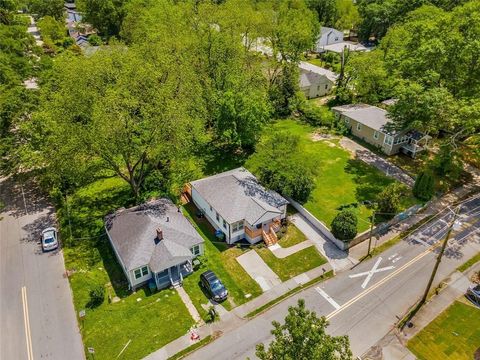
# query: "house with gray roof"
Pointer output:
{"type": "Point", "coordinates": [236, 204]}
{"type": "Point", "coordinates": [331, 39]}
{"type": "Point", "coordinates": [154, 242]}
{"type": "Point", "coordinates": [372, 124]}
{"type": "Point", "coordinates": [315, 81]}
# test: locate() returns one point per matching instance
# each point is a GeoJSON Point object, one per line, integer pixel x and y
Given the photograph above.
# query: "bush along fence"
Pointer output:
{"type": "Point", "coordinates": [344, 245]}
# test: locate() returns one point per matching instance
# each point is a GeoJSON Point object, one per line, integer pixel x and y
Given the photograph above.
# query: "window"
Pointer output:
{"type": "Point", "coordinates": [195, 250]}
{"type": "Point", "coordinates": [237, 226]}
{"type": "Point", "coordinates": [326, 86]}
{"type": "Point", "coordinates": [318, 87]}
{"type": "Point", "coordinates": [141, 272]}
{"type": "Point", "coordinates": [388, 140]}
{"type": "Point", "coordinates": [375, 135]}
{"type": "Point", "coordinates": [211, 209]}
{"type": "Point", "coordinates": [218, 216]}
{"type": "Point", "coordinates": [347, 120]}
{"type": "Point", "coordinates": [359, 126]}
{"type": "Point", "coordinates": [224, 224]}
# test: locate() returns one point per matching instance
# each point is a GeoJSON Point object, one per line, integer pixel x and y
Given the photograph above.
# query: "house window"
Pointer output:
{"type": "Point", "coordinates": [359, 126]}
{"type": "Point", "coordinates": [237, 226]}
{"type": "Point", "coordinates": [195, 250]}
{"type": "Point", "coordinates": [326, 86]}
{"type": "Point", "coordinates": [347, 120]}
{"type": "Point", "coordinates": [318, 87]}
{"type": "Point", "coordinates": [224, 224]}
{"type": "Point", "coordinates": [388, 140]}
{"type": "Point", "coordinates": [375, 135]}
{"type": "Point", "coordinates": [211, 209]}
{"type": "Point", "coordinates": [218, 216]}
{"type": "Point", "coordinates": [141, 272]}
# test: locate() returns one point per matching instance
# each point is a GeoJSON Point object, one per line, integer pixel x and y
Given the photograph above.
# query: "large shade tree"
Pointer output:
{"type": "Point", "coordinates": [303, 336]}
{"type": "Point", "coordinates": [121, 113]}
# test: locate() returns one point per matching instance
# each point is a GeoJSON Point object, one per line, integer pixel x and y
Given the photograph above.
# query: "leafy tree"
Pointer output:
{"type": "Point", "coordinates": [348, 16]}
{"type": "Point", "coordinates": [424, 187]}
{"type": "Point", "coordinates": [105, 15]}
{"type": "Point", "coordinates": [41, 8]}
{"type": "Point", "coordinates": [124, 113]}
{"type": "Point", "coordinates": [389, 200]}
{"type": "Point", "coordinates": [95, 40]}
{"type": "Point", "coordinates": [344, 225]}
{"type": "Point", "coordinates": [51, 28]}
{"type": "Point", "coordinates": [326, 10]}
{"type": "Point", "coordinates": [304, 336]}
{"type": "Point", "coordinates": [282, 166]}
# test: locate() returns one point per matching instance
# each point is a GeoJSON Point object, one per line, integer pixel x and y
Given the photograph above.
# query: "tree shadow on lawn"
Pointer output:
{"type": "Point", "coordinates": [84, 217]}
{"type": "Point", "coordinates": [221, 158]}
{"type": "Point", "coordinates": [369, 182]}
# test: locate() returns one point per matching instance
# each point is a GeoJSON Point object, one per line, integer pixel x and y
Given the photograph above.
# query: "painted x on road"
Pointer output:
{"type": "Point", "coordinates": [370, 273]}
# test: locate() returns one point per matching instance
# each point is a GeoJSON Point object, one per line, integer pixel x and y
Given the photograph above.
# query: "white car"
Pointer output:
{"type": "Point", "coordinates": [49, 239]}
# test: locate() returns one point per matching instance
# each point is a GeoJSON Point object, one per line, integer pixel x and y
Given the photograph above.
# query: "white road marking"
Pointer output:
{"type": "Point", "coordinates": [396, 259]}
{"type": "Point", "coordinates": [380, 283]}
{"type": "Point", "coordinates": [328, 298]}
{"type": "Point", "coordinates": [370, 273]}
{"type": "Point", "coordinates": [393, 256]}
{"type": "Point", "coordinates": [26, 322]}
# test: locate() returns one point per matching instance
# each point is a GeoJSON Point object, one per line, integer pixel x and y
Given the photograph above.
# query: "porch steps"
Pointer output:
{"type": "Point", "coordinates": [270, 238]}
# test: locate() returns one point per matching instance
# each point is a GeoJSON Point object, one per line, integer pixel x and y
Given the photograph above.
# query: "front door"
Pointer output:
{"type": "Point", "coordinates": [174, 273]}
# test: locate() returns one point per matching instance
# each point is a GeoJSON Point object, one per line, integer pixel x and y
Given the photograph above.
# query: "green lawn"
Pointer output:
{"type": "Point", "coordinates": [454, 334]}
{"type": "Point", "coordinates": [291, 236]}
{"type": "Point", "coordinates": [340, 181]}
{"type": "Point", "coordinates": [150, 323]}
{"type": "Point", "coordinates": [221, 259]}
{"type": "Point", "coordinates": [293, 265]}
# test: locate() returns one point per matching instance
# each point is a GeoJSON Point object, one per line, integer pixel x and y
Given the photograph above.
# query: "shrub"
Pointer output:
{"type": "Point", "coordinates": [424, 187]}
{"type": "Point", "coordinates": [95, 40]}
{"type": "Point", "coordinates": [344, 225]}
{"type": "Point", "coordinates": [315, 115]}
{"type": "Point", "coordinates": [97, 296]}
{"type": "Point", "coordinates": [389, 199]}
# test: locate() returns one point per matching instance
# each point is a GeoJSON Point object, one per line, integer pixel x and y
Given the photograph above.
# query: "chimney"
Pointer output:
{"type": "Point", "coordinates": [159, 234]}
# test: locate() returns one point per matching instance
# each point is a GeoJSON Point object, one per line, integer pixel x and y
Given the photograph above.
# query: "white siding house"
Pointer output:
{"type": "Point", "coordinates": [316, 81]}
{"type": "Point", "coordinates": [237, 205]}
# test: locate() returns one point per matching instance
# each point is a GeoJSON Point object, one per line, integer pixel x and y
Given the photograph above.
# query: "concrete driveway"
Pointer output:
{"type": "Point", "coordinates": [377, 161]}
{"type": "Point", "coordinates": [258, 270]}
{"type": "Point", "coordinates": [37, 318]}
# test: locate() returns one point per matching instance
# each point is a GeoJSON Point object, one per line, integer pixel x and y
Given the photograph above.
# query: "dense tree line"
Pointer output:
{"type": "Point", "coordinates": [429, 62]}
{"type": "Point", "coordinates": [180, 76]}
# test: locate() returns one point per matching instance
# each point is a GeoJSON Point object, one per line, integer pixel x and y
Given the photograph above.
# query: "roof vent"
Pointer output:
{"type": "Point", "coordinates": [168, 219]}
{"type": "Point", "coordinates": [159, 234]}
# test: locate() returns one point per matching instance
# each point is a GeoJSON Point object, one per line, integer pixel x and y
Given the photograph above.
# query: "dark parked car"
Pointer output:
{"type": "Point", "coordinates": [214, 286]}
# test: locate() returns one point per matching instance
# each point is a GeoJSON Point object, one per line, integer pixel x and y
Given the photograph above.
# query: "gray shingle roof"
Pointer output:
{"type": "Point", "coordinates": [237, 195]}
{"type": "Point", "coordinates": [133, 234]}
{"type": "Point", "coordinates": [370, 116]}
{"type": "Point", "coordinates": [307, 68]}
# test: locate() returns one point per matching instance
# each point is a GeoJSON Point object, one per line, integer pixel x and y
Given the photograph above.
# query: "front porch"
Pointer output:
{"type": "Point", "coordinates": [416, 143]}
{"type": "Point", "coordinates": [174, 275]}
{"type": "Point", "coordinates": [267, 231]}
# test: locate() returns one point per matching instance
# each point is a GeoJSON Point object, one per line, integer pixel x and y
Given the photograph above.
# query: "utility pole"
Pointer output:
{"type": "Point", "coordinates": [439, 258]}
{"type": "Point", "coordinates": [371, 233]}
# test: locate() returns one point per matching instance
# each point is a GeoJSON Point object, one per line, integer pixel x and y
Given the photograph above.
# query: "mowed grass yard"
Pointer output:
{"type": "Point", "coordinates": [150, 323]}
{"type": "Point", "coordinates": [341, 180]}
{"type": "Point", "coordinates": [221, 259]}
{"type": "Point", "coordinates": [293, 265]}
{"type": "Point", "coordinates": [454, 335]}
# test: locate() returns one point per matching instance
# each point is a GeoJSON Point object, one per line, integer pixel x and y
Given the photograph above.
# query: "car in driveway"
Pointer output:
{"type": "Point", "coordinates": [49, 239]}
{"type": "Point", "coordinates": [212, 284]}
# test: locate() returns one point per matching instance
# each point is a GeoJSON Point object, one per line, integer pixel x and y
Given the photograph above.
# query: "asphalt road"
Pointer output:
{"type": "Point", "coordinates": [366, 302]}
{"type": "Point", "coordinates": [37, 318]}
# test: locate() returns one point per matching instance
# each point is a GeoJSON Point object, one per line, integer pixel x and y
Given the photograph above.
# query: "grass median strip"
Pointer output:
{"type": "Point", "coordinates": [265, 307]}
{"type": "Point", "coordinates": [466, 265]}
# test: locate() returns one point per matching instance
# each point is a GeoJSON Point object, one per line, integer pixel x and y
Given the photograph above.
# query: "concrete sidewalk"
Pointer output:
{"type": "Point", "coordinates": [281, 252]}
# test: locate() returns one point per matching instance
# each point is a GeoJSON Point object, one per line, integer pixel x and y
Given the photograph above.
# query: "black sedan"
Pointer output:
{"type": "Point", "coordinates": [213, 286]}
